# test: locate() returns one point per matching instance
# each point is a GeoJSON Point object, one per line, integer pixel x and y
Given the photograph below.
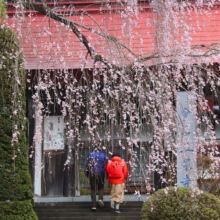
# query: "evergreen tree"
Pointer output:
{"type": "Point", "coordinates": [16, 198]}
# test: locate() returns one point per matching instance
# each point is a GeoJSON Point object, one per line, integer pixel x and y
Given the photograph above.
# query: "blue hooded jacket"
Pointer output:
{"type": "Point", "coordinates": [96, 162]}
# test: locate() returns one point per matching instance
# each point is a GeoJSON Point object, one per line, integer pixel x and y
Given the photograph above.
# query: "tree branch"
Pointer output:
{"type": "Point", "coordinates": [210, 49]}
{"type": "Point", "coordinates": [48, 12]}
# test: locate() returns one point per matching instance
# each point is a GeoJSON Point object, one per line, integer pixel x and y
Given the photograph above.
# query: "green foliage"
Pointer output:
{"type": "Point", "coordinates": [84, 191]}
{"type": "Point", "coordinates": [2, 9]}
{"type": "Point", "coordinates": [181, 203]}
{"type": "Point", "coordinates": [19, 210]}
{"type": "Point", "coordinates": [83, 180]}
{"type": "Point", "coordinates": [217, 193]}
{"type": "Point", "coordinates": [15, 180]}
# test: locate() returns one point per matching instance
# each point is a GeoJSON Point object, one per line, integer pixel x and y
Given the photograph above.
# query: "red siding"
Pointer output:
{"type": "Point", "coordinates": [62, 49]}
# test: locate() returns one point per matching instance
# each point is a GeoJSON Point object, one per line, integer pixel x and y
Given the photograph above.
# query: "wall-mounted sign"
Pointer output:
{"type": "Point", "coordinates": [53, 133]}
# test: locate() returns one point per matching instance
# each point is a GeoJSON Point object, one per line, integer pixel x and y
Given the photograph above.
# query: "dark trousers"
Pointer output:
{"type": "Point", "coordinates": [97, 179]}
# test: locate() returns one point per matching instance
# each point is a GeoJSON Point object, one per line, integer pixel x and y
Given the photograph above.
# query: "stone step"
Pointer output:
{"type": "Point", "coordinates": [79, 214]}
{"type": "Point", "coordinates": [82, 207]}
{"type": "Point", "coordinates": [82, 210]}
{"type": "Point", "coordinates": [75, 210]}
{"type": "Point", "coordinates": [71, 204]}
{"type": "Point", "coordinates": [93, 218]}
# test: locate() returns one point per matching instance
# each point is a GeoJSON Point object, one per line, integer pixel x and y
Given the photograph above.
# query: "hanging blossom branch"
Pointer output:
{"type": "Point", "coordinates": [45, 10]}
{"type": "Point", "coordinates": [136, 94]}
{"type": "Point", "coordinates": [211, 49]}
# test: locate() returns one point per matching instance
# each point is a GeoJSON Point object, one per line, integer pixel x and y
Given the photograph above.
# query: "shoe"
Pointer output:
{"type": "Point", "coordinates": [112, 209]}
{"type": "Point", "coordinates": [94, 209]}
{"type": "Point", "coordinates": [101, 203]}
{"type": "Point", "coordinates": [117, 211]}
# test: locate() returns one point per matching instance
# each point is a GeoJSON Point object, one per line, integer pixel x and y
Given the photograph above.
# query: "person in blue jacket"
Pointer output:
{"type": "Point", "coordinates": [95, 170]}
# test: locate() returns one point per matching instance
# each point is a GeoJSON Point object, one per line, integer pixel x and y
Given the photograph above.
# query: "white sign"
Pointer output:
{"type": "Point", "coordinates": [53, 133]}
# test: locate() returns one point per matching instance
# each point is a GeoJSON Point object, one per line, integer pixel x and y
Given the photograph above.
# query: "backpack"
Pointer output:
{"type": "Point", "coordinates": [91, 165]}
{"type": "Point", "coordinates": [115, 170]}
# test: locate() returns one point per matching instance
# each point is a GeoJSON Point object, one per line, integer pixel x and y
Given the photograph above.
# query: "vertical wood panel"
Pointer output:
{"type": "Point", "coordinates": [76, 186]}
{"type": "Point", "coordinates": [53, 173]}
{"type": "Point", "coordinates": [69, 177]}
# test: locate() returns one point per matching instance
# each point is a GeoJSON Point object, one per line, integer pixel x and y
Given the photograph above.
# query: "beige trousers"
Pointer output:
{"type": "Point", "coordinates": [117, 192]}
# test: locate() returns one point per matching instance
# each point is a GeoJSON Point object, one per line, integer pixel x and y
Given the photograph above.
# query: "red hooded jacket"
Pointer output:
{"type": "Point", "coordinates": [124, 171]}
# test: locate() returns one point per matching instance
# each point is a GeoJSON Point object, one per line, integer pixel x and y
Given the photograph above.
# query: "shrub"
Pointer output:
{"type": "Point", "coordinates": [83, 180]}
{"type": "Point", "coordinates": [181, 203]}
{"type": "Point", "coordinates": [16, 198]}
{"type": "Point", "coordinates": [19, 210]}
{"type": "Point", "coordinates": [217, 193]}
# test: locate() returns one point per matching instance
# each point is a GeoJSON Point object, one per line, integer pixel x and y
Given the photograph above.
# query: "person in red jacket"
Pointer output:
{"type": "Point", "coordinates": [117, 171]}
